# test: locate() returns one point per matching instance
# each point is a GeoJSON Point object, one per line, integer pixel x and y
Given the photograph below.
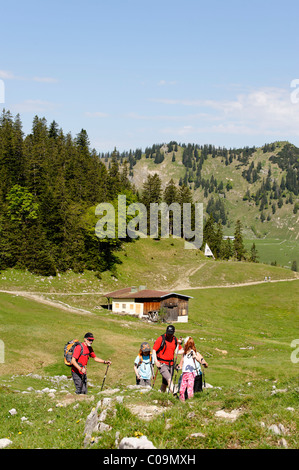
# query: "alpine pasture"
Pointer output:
{"type": "Point", "coordinates": [244, 332]}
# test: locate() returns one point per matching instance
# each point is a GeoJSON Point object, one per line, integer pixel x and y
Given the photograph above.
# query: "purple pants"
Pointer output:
{"type": "Point", "coordinates": [187, 382]}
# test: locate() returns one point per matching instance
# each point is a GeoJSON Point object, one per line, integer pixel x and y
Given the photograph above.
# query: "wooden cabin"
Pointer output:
{"type": "Point", "coordinates": [142, 302]}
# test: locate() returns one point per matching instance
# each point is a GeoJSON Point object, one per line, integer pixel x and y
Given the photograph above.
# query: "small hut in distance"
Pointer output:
{"type": "Point", "coordinates": [142, 302]}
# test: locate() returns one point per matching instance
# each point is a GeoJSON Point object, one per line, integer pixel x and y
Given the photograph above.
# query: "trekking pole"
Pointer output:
{"type": "Point", "coordinates": [174, 365]}
{"type": "Point", "coordinates": [176, 374]}
{"type": "Point", "coordinates": [105, 376]}
{"type": "Point", "coordinates": [152, 373]}
{"type": "Point", "coordinates": [203, 375]}
{"type": "Point", "coordinates": [154, 381]}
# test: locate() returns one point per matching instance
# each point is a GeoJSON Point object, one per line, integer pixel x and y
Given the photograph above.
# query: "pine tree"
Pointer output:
{"type": "Point", "coordinates": [218, 241]}
{"type": "Point", "coordinates": [114, 183]}
{"type": "Point", "coordinates": [209, 234]}
{"type": "Point", "coordinates": [238, 242]}
{"type": "Point", "coordinates": [170, 194]}
{"type": "Point", "coordinates": [185, 195]}
{"type": "Point", "coordinates": [227, 250]}
{"type": "Point", "coordinates": [151, 190]}
{"type": "Point", "coordinates": [11, 153]}
{"type": "Point", "coordinates": [253, 254]}
{"type": "Point", "coordinates": [294, 266]}
{"type": "Point", "coordinates": [36, 157]}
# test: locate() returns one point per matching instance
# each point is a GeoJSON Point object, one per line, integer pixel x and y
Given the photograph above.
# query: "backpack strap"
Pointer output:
{"type": "Point", "coordinates": [141, 359]}
{"type": "Point", "coordinates": [164, 346]}
{"type": "Point", "coordinates": [82, 354]}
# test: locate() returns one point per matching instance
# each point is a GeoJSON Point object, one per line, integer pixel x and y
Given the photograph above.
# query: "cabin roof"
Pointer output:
{"type": "Point", "coordinates": [127, 293]}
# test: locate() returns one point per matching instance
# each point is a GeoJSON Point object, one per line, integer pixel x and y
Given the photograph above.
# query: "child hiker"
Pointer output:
{"type": "Point", "coordinates": [143, 365]}
{"type": "Point", "coordinates": [189, 368]}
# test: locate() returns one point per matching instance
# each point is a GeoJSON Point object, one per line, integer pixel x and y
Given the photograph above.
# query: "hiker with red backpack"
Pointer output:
{"type": "Point", "coordinates": [165, 351]}
{"type": "Point", "coordinates": [143, 365]}
{"type": "Point", "coordinates": [80, 356]}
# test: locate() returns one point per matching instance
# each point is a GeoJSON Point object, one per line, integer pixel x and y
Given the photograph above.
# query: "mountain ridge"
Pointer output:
{"type": "Point", "coordinates": [236, 176]}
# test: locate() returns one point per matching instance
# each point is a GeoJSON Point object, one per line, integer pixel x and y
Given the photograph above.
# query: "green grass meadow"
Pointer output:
{"type": "Point", "coordinates": [245, 334]}
{"type": "Point", "coordinates": [283, 251]}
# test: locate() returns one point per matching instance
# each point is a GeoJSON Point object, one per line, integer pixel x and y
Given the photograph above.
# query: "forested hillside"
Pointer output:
{"type": "Point", "coordinates": [259, 186]}
{"type": "Point", "coordinates": [51, 182]}
{"type": "Point", "coordinates": [48, 183]}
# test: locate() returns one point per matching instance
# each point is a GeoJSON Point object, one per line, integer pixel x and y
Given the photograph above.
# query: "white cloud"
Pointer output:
{"type": "Point", "coordinates": [45, 79]}
{"type": "Point", "coordinates": [7, 75]}
{"type": "Point", "coordinates": [264, 111]}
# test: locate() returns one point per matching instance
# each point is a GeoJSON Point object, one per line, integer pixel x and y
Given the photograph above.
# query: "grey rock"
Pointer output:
{"type": "Point", "coordinates": [5, 443]}
{"type": "Point", "coordinates": [136, 443]}
{"type": "Point", "coordinates": [277, 429]}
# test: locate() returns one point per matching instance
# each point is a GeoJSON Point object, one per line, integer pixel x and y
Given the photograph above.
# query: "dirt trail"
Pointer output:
{"type": "Point", "coordinates": [185, 284]}
{"type": "Point", "coordinates": [39, 296]}
{"type": "Point", "coordinates": [250, 283]}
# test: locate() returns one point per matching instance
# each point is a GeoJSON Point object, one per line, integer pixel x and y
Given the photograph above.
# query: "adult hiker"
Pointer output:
{"type": "Point", "coordinates": [165, 348]}
{"type": "Point", "coordinates": [190, 368]}
{"type": "Point", "coordinates": [143, 365]}
{"type": "Point", "coordinates": [82, 353]}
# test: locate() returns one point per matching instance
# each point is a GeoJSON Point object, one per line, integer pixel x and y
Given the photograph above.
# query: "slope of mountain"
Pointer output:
{"type": "Point", "coordinates": [251, 183]}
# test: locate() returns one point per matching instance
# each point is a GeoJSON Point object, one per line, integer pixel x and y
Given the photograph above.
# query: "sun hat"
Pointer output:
{"type": "Point", "coordinates": [145, 347]}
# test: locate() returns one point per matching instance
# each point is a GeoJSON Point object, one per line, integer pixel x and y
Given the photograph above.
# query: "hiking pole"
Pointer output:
{"type": "Point", "coordinates": [105, 376]}
{"type": "Point", "coordinates": [154, 381]}
{"type": "Point", "coordinates": [174, 365]}
{"type": "Point", "coordinates": [176, 374]}
{"type": "Point", "coordinates": [152, 373]}
{"type": "Point", "coordinates": [203, 375]}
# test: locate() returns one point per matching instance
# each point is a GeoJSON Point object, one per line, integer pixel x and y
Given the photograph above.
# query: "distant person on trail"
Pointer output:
{"type": "Point", "coordinates": [143, 365]}
{"type": "Point", "coordinates": [190, 368]}
{"type": "Point", "coordinates": [164, 350]}
{"type": "Point", "coordinates": [81, 355]}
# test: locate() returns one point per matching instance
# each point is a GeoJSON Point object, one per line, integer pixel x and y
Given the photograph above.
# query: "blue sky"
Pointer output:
{"type": "Point", "coordinates": [135, 73]}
